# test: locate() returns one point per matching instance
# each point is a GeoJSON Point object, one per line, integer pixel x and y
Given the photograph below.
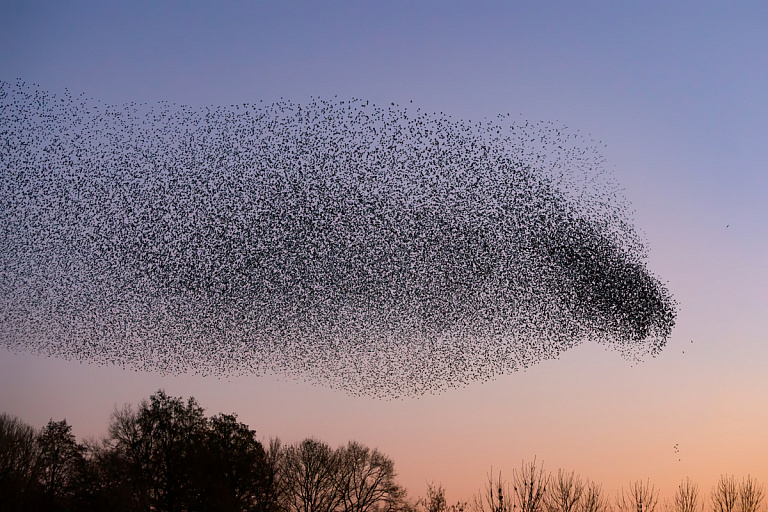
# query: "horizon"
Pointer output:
{"type": "Point", "coordinates": [663, 495]}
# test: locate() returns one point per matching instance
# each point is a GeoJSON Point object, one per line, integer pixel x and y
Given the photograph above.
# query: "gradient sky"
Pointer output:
{"type": "Point", "coordinates": [676, 91]}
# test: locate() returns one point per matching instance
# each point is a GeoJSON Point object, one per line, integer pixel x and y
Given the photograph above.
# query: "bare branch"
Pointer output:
{"type": "Point", "coordinates": [751, 494]}
{"type": "Point", "coordinates": [529, 485]}
{"type": "Point", "coordinates": [725, 494]}
{"type": "Point", "coordinates": [495, 497]}
{"type": "Point", "coordinates": [593, 499]}
{"type": "Point", "coordinates": [565, 492]}
{"type": "Point", "coordinates": [687, 498]}
{"type": "Point", "coordinates": [639, 497]}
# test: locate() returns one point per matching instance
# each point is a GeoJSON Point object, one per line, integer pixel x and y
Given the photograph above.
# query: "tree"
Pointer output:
{"type": "Point", "coordinates": [593, 499]}
{"type": "Point", "coordinates": [126, 457]}
{"type": "Point", "coordinates": [310, 472]}
{"type": "Point", "coordinates": [725, 494]}
{"type": "Point", "coordinates": [167, 455]}
{"type": "Point", "coordinates": [495, 497]}
{"type": "Point", "coordinates": [231, 472]}
{"type": "Point", "coordinates": [564, 493]}
{"type": "Point", "coordinates": [18, 463]}
{"type": "Point", "coordinates": [687, 498]}
{"type": "Point", "coordinates": [271, 493]}
{"type": "Point", "coordinates": [435, 499]}
{"type": "Point", "coordinates": [366, 480]}
{"type": "Point", "coordinates": [529, 484]}
{"type": "Point", "coordinates": [159, 443]}
{"type": "Point", "coordinates": [60, 460]}
{"type": "Point", "coordinates": [103, 483]}
{"type": "Point", "coordinates": [639, 497]}
{"type": "Point", "coordinates": [751, 495]}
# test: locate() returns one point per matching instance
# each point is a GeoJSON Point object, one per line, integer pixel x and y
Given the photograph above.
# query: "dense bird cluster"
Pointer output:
{"type": "Point", "coordinates": [382, 250]}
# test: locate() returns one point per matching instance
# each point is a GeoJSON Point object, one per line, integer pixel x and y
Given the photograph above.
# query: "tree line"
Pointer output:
{"type": "Point", "coordinates": [167, 455]}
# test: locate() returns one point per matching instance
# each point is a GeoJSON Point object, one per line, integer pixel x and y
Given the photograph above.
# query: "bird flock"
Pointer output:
{"type": "Point", "coordinates": [382, 250]}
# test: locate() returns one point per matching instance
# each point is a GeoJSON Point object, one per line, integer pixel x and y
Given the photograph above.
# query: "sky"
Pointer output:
{"type": "Point", "coordinates": [675, 93]}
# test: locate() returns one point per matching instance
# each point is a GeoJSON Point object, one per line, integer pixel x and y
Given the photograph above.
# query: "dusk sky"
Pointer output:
{"type": "Point", "coordinates": [675, 94]}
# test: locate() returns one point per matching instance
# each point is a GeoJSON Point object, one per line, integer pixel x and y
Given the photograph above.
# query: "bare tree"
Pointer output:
{"type": "Point", "coordinates": [725, 494]}
{"type": "Point", "coordinates": [271, 496]}
{"type": "Point", "coordinates": [751, 494]}
{"type": "Point", "coordinates": [593, 499]}
{"type": "Point", "coordinates": [639, 497]}
{"type": "Point", "coordinates": [564, 493]}
{"type": "Point", "coordinates": [310, 473]}
{"type": "Point", "coordinates": [495, 497]}
{"type": "Point", "coordinates": [529, 485]}
{"type": "Point", "coordinates": [687, 498]}
{"type": "Point", "coordinates": [366, 480]}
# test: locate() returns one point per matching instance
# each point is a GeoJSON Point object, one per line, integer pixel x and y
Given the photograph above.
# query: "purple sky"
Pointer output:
{"type": "Point", "coordinates": [675, 90]}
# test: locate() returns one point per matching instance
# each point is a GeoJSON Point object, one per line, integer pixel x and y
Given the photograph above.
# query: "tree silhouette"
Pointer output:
{"type": "Point", "coordinates": [639, 497]}
{"type": "Point", "coordinates": [687, 498]}
{"type": "Point", "coordinates": [751, 495]}
{"type": "Point", "coordinates": [230, 472]}
{"type": "Point", "coordinates": [435, 499]}
{"type": "Point", "coordinates": [366, 480]}
{"type": "Point", "coordinates": [272, 491]}
{"type": "Point", "coordinates": [159, 443]}
{"type": "Point", "coordinates": [495, 496]}
{"type": "Point", "coordinates": [103, 482]}
{"type": "Point", "coordinates": [60, 460]}
{"type": "Point", "coordinates": [725, 494]}
{"type": "Point", "coordinates": [166, 455]}
{"type": "Point", "coordinates": [564, 493]}
{"type": "Point", "coordinates": [310, 471]}
{"type": "Point", "coordinates": [529, 484]}
{"type": "Point", "coordinates": [593, 499]}
{"type": "Point", "coordinates": [18, 463]}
